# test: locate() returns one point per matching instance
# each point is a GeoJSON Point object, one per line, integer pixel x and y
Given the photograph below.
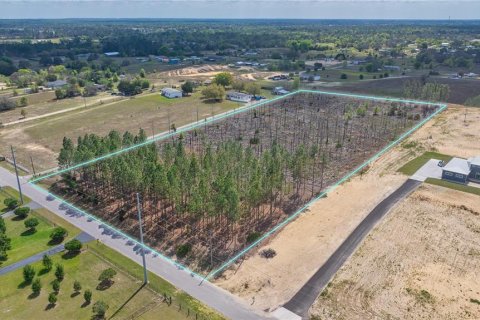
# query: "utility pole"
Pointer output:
{"type": "Point", "coordinates": [16, 173]}
{"type": "Point", "coordinates": [145, 276]}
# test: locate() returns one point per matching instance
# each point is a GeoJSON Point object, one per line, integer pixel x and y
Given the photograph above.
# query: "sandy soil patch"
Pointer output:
{"type": "Point", "coordinates": [421, 262]}
{"type": "Point", "coordinates": [305, 244]}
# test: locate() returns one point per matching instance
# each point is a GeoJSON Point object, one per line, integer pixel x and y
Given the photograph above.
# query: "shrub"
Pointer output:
{"type": "Point", "coordinates": [36, 286]}
{"type": "Point", "coordinates": [28, 273]}
{"type": "Point", "coordinates": [52, 298]}
{"type": "Point", "coordinates": [73, 246]}
{"type": "Point", "coordinates": [31, 223]}
{"type": "Point", "coordinates": [253, 236]}
{"type": "Point", "coordinates": [106, 276]}
{"type": "Point", "coordinates": [183, 250]}
{"type": "Point", "coordinates": [47, 262]}
{"type": "Point", "coordinates": [56, 285]}
{"type": "Point", "coordinates": [77, 286]}
{"type": "Point", "coordinates": [343, 76]}
{"type": "Point", "coordinates": [100, 308]}
{"type": "Point", "coordinates": [59, 272]}
{"type": "Point", "coordinates": [10, 203]}
{"type": "Point", "coordinates": [87, 295]}
{"type": "Point", "coordinates": [58, 234]}
{"type": "Point", "coordinates": [268, 253]}
{"type": "Point", "coordinates": [22, 212]}
{"type": "Point", "coordinates": [5, 244]}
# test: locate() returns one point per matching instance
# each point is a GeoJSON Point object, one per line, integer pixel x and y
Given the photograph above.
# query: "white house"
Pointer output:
{"type": "Point", "coordinates": [279, 91]}
{"type": "Point", "coordinates": [171, 93]}
{"type": "Point", "coordinates": [239, 96]}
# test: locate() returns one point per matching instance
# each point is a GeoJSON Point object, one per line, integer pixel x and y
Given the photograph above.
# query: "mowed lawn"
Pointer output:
{"type": "Point", "coordinates": [25, 244]}
{"type": "Point", "coordinates": [9, 192]}
{"type": "Point", "coordinates": [125, 297]}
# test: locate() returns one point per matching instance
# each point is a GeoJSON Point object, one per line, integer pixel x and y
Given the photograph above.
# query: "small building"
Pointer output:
{"type": "Point", "coordinates": [112, 54]}
{"type": "Point", "coordinates": [462, 170]}
{"type": "Point", "coordinates": [56, 84]}
{"type": "Point", "coordinates": [239, 96]}
{"type": "Point", "coordinates": [279, 91]}
{"type": "Point", "coordinates": [171, 93]}
{"type": "Point", "coordinates": [173, 61]}
{"type": "Point", "coordinates": [392, 68]}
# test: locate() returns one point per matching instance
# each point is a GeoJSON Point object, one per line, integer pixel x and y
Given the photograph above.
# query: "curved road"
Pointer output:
{"type": "Point", "coordinates": [306, 296]}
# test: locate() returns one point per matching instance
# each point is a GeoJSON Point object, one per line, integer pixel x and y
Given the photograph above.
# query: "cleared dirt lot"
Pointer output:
{"type": "Point", "coordinates": [304, 245]}
{"type": "Point", "coordinates": [421, 262]}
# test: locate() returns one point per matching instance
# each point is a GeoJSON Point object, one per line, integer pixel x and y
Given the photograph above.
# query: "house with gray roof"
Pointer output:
{"type": "Point", "coordinates": [462, 170]}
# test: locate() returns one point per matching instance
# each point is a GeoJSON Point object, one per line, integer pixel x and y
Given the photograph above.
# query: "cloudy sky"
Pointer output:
{"type": "Point", "coordinates": [293, 9]}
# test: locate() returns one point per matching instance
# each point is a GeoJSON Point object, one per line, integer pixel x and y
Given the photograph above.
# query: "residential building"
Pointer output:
{"type": "Point", "coordinates": [56, 84]}
{"type": "Point", "coordinates": [171, 93]}
{"type": "Point", "coordinates": [239, 96]}
{"type": "Point", "coordinates": [462, 170]}
{"type": "Point", "coordinates": [279, 91]}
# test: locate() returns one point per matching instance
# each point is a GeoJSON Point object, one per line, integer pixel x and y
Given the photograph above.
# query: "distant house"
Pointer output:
{"type": "Point", "coordinates": [56, 84]}
{"type": "Point", "coordinates": [462, 170]}
{"type": "Point", "coordinates": [279, 91]}
{"type": "Point", "coordinates": [207, 82]}
{"type": "Point", "coordinates": [171, 93]}
{"type": "Point", "coordinates": [239, 96]}
{"type": "Point", "coordinates": [173, 61]}
{"type": "Point", "coordinates": [304, 76]}
{"type": "Point", "coordinates": [112, 54]}
{"type": "Point", "coordinates": [392, 68]}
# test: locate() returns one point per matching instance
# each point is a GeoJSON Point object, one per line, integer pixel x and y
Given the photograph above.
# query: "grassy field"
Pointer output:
{"type": "Point", "coordinates": [24, 243]}
{"type": "Point", "coordinates": [42, 138]}
{"type": "Point", "coordinates": [45, 102]}
{"type": "Point", "coordinates": [9, 192]}
{"type": "Point", "coordinates": [412, 166]}
{"type": "Point", "coordinates": [126, 298]}
{"type": "Point", "coordinates": [452, 185]}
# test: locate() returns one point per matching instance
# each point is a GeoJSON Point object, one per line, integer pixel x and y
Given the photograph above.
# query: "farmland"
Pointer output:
{"type": "Point", "coordinates": [279, 155]}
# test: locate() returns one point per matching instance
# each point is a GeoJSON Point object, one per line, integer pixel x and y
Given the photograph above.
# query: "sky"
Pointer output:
{"type": "Point", "coordinates": [263, 9]}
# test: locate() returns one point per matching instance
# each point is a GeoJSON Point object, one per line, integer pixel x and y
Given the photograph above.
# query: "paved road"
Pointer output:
{"type": "Point", "coordinates": [83, 237]}
{"type": "Point", "coordinates": [304, 298]}
{"type": "Point", "coordinates": [221, 300]}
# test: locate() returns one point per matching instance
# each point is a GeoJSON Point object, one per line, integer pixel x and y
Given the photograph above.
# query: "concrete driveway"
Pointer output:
{"type": "Point", "coordinates": [428, 170]}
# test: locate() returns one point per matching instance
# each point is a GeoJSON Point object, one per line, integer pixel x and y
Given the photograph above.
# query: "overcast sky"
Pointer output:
{"type": "Point", "coordinates": [293, 9]}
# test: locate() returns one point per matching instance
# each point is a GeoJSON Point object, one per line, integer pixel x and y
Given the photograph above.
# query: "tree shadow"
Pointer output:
{"type": "Point", "coordinates": [104, 285]}
{"type": "Point", "coordinates": [43, 271]}
{"type": "Point", "coordinates": [73, 295]}
{"type": "Point", "coordinates": [53, 242]}
{"type": "Point", "coordinates": [50, 306]}
{"type": "Point", "coordinates": [70, 255]}
{"type": "Point", "coordinates": [24, 284]}
{"type": "Point", "coordinates": [28, 232]}
{"type": "Point", "coordinates": [33, 295]}
{"type": "Point", "coordinates": [18, 218]}
{"type": "Point", "coordinates": [84, 304]}
{"type": "Point", "coordinates": [127, 301]}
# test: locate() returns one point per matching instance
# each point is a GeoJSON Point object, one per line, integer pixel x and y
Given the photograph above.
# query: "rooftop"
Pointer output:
{"type": "Point", "coordinates": [458, 165]}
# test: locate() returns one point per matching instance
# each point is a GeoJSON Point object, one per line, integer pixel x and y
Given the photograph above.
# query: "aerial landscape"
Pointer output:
{"type": "Point", "coordinates": [280, 159]}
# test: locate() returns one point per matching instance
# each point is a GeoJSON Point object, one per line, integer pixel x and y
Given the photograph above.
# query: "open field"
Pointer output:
{"type": "Point", "coordinates": [44, 103]}
{"type": "Point", "coordinates": [125, 297]}
{"type": "Point", "coordinates": [25, 244]}
{"type": "Point", "coordinates": [421, 262]}
{"type": "Point", "coordinates": [305, 244]}
{"type": "Point", "coordinates": [42, 138]}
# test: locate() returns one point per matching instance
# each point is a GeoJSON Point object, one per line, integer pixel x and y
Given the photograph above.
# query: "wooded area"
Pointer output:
{"type": "Point", "coordinates": [209, 192]}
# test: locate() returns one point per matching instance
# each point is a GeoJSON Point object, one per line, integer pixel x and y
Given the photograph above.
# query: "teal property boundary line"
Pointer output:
{"type": "Point", "coordinates": [218, 118]}
{"type": "Point", "coordinates": [228, 114]}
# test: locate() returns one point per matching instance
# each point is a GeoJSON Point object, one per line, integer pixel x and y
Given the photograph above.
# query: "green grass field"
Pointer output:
{"type": "Point", "coordinates": [452, 185]}
{"type": "Point", "coordinates": [412, 166]}
{"type": "Point", "coordinates": [24, 244]}
{"type": "Point", "coordinates": [126, 298]}
{"type": "Point", "coordinates": [9, 192]}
